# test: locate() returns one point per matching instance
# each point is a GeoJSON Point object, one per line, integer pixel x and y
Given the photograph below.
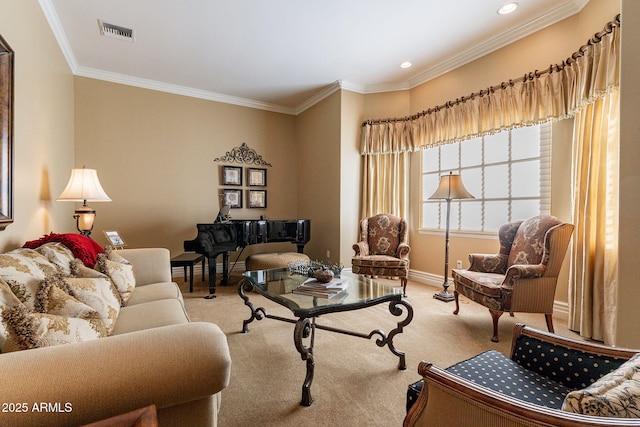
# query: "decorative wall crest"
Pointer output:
{"type": "Point", "coordinates": [243, 154]}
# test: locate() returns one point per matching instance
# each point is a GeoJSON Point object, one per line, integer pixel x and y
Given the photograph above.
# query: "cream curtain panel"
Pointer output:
{"type": "Point", "coordinates": [594, 254]}
{"type": "Point", "coordinates": [585, 87]}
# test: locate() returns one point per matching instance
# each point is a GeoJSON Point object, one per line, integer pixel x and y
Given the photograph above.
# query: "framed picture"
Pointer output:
{"type": "Point", "coordinates": [232, 198]}
{"type": "Point", "coordinates": [257, 198]}
{"type": "Point", "coordinates": [114, 238]}
{"type": "Point", "coordinates": [6, 134]}
{"type": "Point", "coordinates": [231, 175]}
{"type": "Point", "coordinates": [257, 177]}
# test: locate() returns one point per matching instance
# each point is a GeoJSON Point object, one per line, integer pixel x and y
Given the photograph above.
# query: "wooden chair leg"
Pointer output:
{"type": "Point", "coordinates": [495, 315]}
{"type": "Point", "coordinates": [549, 320]}
{"type": "Point", "coordinates": [403, 280]}
{"type": "Point", "coordinates": [455, 297]}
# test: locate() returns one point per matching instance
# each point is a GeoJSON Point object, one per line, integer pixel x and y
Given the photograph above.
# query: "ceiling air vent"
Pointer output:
{"type": "Point", "coordinates": [115, 31]}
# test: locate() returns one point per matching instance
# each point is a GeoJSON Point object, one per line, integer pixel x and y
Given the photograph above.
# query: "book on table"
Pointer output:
{"type": "Point", "coordinates": [315, 288]}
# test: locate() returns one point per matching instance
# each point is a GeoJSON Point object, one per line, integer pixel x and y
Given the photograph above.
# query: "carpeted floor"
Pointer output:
{"type": "Point", "coordinates": [356, 382]}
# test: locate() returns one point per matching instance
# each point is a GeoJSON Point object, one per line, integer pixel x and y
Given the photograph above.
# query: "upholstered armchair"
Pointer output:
{"type": "Point", "coordinates": [522, 277]}
{"type": "Point", "coordinates": [383, 250]}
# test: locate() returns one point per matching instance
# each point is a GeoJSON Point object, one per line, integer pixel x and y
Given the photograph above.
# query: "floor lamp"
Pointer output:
{"type": "Point", "coordinates": [450, 187]}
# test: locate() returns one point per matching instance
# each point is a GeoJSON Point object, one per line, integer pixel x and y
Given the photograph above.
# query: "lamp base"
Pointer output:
{"type": "Point", "coordinates": [445, 296]}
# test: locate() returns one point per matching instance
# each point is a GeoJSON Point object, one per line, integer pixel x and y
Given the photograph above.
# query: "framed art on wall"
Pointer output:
{"type": "Point", "coordinates": [232, 198]}
{"type": "Point", "coordinates": [6, 134]}
{"type": "Point", "coordinates": [257, 198]}
{"type": "Point", "coordinates": [231, 175]}
{"type": "Point", "coordinates": [257, 177]}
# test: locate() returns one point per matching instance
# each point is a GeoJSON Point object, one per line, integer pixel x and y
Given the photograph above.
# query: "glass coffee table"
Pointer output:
{"type": "Point", "coordinates": [278, 284]}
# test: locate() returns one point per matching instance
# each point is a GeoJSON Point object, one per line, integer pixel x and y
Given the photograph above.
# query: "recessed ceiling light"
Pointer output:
{"type": "Point", "coordinates": [406, 64]}
{"type": "Point", "coordinates": [508, 8]}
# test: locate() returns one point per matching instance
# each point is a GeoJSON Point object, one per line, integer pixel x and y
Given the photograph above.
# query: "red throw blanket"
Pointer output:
{"type": "Point", "coordinates": [82, 247]}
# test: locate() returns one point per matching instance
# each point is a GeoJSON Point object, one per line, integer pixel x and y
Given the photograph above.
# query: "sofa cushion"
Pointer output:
{"type": "Point", "coordinates": [29, 330]}
{"type": "Point", "coordinates": [120, 272]}
{"type": "Point", "coordinates": [616, 394]}
{"type": "Point", "coordinates": [497, 372]}
{"type": "Point", "coordinates": [150, 315]}
{"type": "Point", "coordinates": [155, 292]}
{"type": "Point", "coordinates": [24, 270]}
{"type": "Point", "coordinates": [98, 293]}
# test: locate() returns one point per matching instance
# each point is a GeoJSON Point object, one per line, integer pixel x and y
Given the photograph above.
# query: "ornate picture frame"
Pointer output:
{"type": "Point", "coordinates": [257, 199]}
{"type": "Point", "coordinates": [256, 177]}
{"type": "Point", "coordinates": [232, 198]}
{"type": "Point", "coordinates": [6, 134]}
{"type": "Point", "coordinates": [231, 175]}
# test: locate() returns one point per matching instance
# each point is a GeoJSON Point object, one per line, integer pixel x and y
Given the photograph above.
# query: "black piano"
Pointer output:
{"type": "Point", "coordinates": [220, 238]}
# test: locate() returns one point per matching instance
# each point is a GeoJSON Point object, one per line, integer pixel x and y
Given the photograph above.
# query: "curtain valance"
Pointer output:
{"type": "Point", "coordinates": [555, 93]}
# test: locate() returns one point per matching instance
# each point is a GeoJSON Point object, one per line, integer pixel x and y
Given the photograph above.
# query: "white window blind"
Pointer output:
{"type": "Point", "coordinates": [507, 172]}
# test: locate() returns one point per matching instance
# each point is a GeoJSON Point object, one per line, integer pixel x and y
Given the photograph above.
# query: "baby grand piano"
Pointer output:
{"type": "Point", "coordinates": [220, 238]}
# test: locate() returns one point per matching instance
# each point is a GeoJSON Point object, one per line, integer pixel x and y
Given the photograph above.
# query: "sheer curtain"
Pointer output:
{"type": "Point", "coordinates": [594, 254]}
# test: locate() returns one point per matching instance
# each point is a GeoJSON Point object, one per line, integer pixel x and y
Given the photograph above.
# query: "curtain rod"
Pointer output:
{"type": "Point", "coordinates": [608, 28]}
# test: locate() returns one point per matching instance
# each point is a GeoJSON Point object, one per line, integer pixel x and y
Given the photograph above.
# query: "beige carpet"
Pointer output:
{"type": "Point", "coordinates": [356, 382]}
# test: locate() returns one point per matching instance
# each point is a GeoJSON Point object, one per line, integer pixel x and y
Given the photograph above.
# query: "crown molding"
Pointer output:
{"type": "Point", "coordinates": [180, 90]}
{"type": "Point", "coordinates": [564, 11]}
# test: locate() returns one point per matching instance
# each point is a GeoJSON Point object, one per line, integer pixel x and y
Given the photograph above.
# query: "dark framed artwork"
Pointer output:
{"type": "Point", "coordinates": [232, 198]}
{"type": "Point", "coordinates": [231, 175]}
{"type": "Point", "coordinates": [6, 134]}
{"type": "Point", "coordinates": [257, 198]}
{"type": "Point", "coordinates": [257, 177]}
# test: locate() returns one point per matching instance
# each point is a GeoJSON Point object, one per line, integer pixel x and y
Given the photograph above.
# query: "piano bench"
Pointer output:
{"type": "Point", "coordinates": [188, 259]}
{"type": "Point", "coordinates": [272, 260]}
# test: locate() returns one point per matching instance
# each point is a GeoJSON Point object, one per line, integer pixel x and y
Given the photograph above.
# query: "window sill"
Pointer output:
{"type": "Point", "coordinates": [488, 235]}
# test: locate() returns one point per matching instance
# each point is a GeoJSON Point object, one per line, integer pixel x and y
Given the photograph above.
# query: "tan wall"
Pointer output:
{"type": "Point", "coordinates": [154, 153]}
{"type": "Point", "coordinates": [627, 332]}
{"type": "Point", "coordinates": [318, 134]}
{"type": "Point", "coordinates": [350, 173]}
{"type": "Point", "coordinates": [43, 125]}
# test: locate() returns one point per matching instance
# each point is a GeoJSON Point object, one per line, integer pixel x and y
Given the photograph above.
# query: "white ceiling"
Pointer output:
{"type": "Point", "coordinates": [285, 55]}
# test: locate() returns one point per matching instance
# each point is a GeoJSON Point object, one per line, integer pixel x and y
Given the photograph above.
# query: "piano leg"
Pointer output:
{"type": "Point", "coordinates": [225, 269]}
{"type": "Point", "coordinates": [212, 278]}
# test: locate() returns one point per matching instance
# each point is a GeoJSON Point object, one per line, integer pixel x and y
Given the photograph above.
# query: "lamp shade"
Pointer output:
{"type": "Point", "coordinates": [84, 186]}
{"type": "Point", "coordinates": [451, 187]}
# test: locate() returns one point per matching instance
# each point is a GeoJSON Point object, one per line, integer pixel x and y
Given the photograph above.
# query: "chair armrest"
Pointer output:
{"type": "Point", "coordinates": [522, 271]}
{"type": "Point", "coordinates": [361, 248]}
{"type": "Point", "coordinates": [488, 263]}
{"type": "Point", "coordinates": [403, 251]}
{"type": "Point", "coordinates": [453, 401]}
{"type": "Point", "coordinates": [98, 379]}
{"type": "Point", "coordinates": [150, 265]}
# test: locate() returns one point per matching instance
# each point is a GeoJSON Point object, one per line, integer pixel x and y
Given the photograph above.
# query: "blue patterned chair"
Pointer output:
{"type": "Point", "coordinates": [383, 250]}
{"type": "Point", "coordinates": [548, 380]}
{"type": "Point", "coordinates": [522, 277]}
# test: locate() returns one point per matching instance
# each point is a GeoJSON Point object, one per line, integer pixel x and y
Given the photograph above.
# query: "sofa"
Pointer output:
{"type": "Point", "coordinates": [548, 380]}
{"type": "Point", "coordinates": [71, 356]}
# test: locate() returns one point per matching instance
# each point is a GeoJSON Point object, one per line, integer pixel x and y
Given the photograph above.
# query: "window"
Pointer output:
{"type": "Point", "coordinates": [507, 172]}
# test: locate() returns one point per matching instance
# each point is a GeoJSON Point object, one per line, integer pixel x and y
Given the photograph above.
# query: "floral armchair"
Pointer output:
{"type": "Point", "coordinates": [383, 250]}
{"type": "Point", "coordinates": [522, 277]}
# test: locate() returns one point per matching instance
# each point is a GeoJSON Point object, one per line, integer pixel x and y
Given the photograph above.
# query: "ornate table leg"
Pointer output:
{"type": "Point", "coordinates": [256, 313]}
{"type": "Point", "coordinates": [396, 310]}
{"type": "Point", "coordinates": [303, 328]}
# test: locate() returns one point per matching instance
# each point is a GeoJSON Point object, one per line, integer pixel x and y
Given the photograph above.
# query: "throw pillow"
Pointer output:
{"type": "Point", "coordinates": [120, 271]}
{"type": "Point", "coordinates": [55, 297]}
{"type": "Point", "coordinates": [616, 394]}
{"type": "Point", "coordinates": [24, 270]}
{"type": "Point", "coordinates": [59, 255]}
{"type": "Point", "coordinates": [7, 300]}
{"type": "Point", "coordinates": [33, 330]}
{"type": "Point", "coordinates": [97, 293]}
{"type": "Point", "coordinates": [78, 269]}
